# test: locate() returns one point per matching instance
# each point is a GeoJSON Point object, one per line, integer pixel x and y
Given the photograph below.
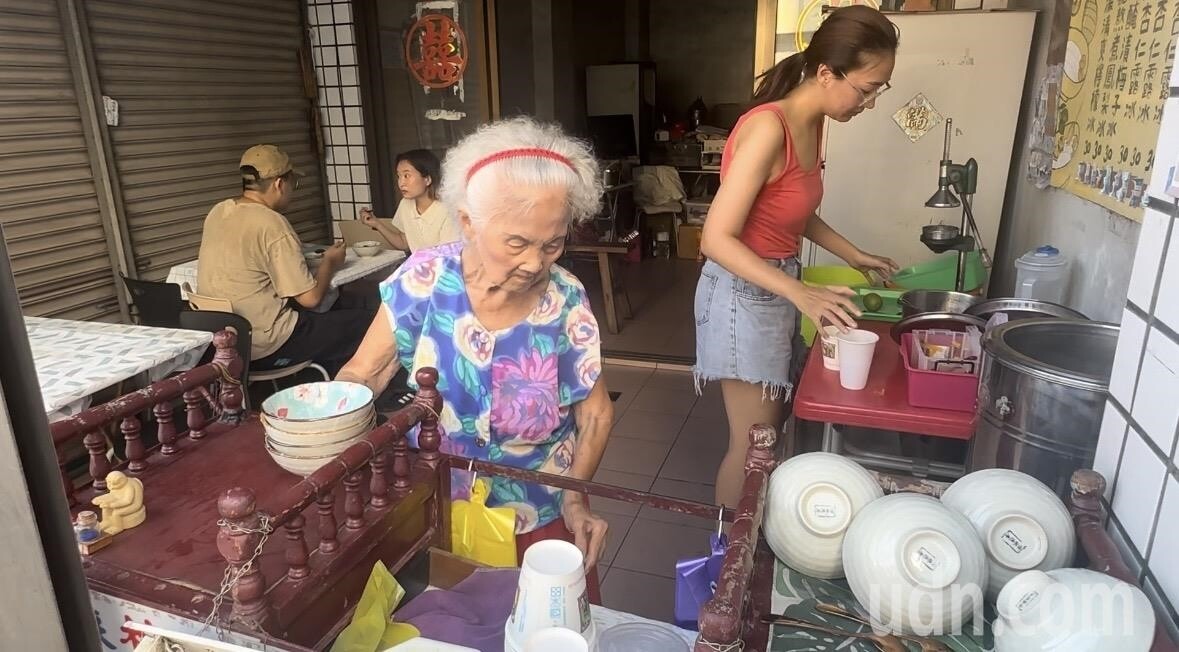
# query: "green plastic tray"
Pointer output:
{"type": "Point", "coordinates": [889, 312]}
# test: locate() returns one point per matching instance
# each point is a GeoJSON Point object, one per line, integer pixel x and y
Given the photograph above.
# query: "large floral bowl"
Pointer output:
{"type": "Point", "coordinates": [319, 407]}
{"type": "Point", "coordinates": [915, 565]}
{"type": "Point", "coordinates": [811, 500]}
{"type": "Point", "coordinates": [1022, 524]}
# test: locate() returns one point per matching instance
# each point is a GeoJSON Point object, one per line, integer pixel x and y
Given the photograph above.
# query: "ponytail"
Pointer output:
{"type": "Point", "coordinates": [777, 82]}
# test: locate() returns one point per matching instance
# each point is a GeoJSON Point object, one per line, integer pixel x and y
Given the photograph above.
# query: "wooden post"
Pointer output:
{"type": "Point", "coordinates": [131, 429]}
{"type": "Point", "coordinates": [378, 486]}
{"type": "Point", "coordinates": [99, 466]}
{"type": "Point", "coordinates": [231, 364]}
{"type": "Point", "coordinates": [326, 506]}
{"type": "Point", "coordinates": [237, 541]}
{"type": "Point", "coordinates": [296, 555]}
{"type": "Point", "coordinates": [353, 502]}
{"type": "Point", "coordinates": [166, 428]}
{"type": "Point", "coordinates": [401, 483]}
{"type": "Point", "coordinates": [429, 439]}
{"type": "Point", "coordinates": [194, 414]}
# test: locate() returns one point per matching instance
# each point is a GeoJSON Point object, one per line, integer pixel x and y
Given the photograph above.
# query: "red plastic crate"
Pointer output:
{"type": "Point", "coordinates": [939, 390]}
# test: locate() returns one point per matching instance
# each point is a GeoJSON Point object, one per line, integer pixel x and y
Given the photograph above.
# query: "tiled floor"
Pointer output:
{"type": "Point", "coordinates": [666, 441]}
{"type": "Point", "coordinates": [661, 295]}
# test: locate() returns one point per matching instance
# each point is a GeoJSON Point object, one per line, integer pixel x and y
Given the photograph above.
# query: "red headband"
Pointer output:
{"type": "Point", "coordinates": [522, 152]}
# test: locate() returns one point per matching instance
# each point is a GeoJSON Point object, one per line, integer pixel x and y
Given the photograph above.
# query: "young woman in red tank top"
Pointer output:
{"type": "Point", "coordinates": [749, 298]}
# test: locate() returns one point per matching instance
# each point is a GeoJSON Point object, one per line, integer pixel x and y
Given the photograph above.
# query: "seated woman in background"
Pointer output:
{"type": "Point", "coordinates": [421, 221]}
{"type": "Point", "coordinates": [511, 334]}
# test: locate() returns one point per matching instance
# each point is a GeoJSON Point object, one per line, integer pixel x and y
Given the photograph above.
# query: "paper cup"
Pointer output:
{"type": "Point", "coordinates": [556, 639]}
{"type": "Point", "coordinates": [551, 593]}
{"type": "Point", "coordinates": [830, 347]}
{"type": "Point", "coordinates": [856, 348]}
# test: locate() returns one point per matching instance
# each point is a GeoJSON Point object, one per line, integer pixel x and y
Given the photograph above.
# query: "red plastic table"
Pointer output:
{"type": "Point", "coordinates": [883, 404]}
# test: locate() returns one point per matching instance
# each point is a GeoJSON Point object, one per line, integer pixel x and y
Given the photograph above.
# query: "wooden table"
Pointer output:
{"type": "Point", "coordinates": [883, 404]}
{"type": "Point", "coordinates": [601, 252]}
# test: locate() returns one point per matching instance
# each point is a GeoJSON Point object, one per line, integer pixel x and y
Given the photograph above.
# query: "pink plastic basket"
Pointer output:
{"type": "Point", "coordinates": [939, 390]}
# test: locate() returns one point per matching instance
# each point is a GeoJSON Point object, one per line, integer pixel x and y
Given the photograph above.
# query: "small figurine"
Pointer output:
{"type": "Point", "coordinates": [122, 507]}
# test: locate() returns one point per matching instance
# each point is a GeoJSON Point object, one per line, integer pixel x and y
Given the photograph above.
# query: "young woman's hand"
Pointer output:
{"type": "Point", "coordinates": [826, 304]}
{"type": "Point", "coordinates": [869, 263]}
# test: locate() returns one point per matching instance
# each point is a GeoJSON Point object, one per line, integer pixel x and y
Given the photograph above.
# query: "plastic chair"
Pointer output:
{"type": "Point", "coordinates": [156, 304]}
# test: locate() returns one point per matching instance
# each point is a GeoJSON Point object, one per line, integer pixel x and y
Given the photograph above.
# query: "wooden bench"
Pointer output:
{"type": "Point", "coordinates": [601, 252]}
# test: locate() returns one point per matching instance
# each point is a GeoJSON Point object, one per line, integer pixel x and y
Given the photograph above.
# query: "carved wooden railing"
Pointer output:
{"type": "Point", "coordinates": [383, 455]}
{"type": "Point", "coordinates": [210, 392]}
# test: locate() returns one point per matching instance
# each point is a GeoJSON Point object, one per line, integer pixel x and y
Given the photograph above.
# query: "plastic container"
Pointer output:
{"type": "Point", "coordinates": [1042, 274]}
{"type": "Point", "coordinates": [641, 637]}
{"type": "Point", "coordinates": [856, 348]}
{"type": "Point", "coordinates": [890, 310]}
{"type": "Point", "coordinates": [828, 275]}
{"type": "Point", "coordinates": [940, 273]}
{"type": "Point", "coordinates": [938, 390]}
{"type": "Point", "coordinates": [551, 593]}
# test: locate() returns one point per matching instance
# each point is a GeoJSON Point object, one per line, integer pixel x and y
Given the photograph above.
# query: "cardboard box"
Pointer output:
{"type": "Point", "coordinates": [688, 241]}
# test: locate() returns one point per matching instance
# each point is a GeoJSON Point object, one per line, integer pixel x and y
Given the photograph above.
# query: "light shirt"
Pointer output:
{"type": "Point", "coordinates": [427, 229]}
{"type": "Point", "coordinates": [252, 257]}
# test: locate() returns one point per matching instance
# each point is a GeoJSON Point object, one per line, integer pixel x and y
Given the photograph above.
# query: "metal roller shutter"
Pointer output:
{"type": "Point", "coordinates": [56, 234]}
{"type": "Point", "coordinates": [198, 83]}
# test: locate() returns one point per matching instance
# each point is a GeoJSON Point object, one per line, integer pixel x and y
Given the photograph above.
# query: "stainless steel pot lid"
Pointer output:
{"type": "Point", "coordinates": [1072, 352]}
{"type": "Point", "coordinates": [1023, 309]}
{"type": "Point", "coordinates": [947, 320]}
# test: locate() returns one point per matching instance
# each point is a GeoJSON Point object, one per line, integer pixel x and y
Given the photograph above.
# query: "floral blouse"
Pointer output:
{"type": "Point", "coordinates": [508, 395]}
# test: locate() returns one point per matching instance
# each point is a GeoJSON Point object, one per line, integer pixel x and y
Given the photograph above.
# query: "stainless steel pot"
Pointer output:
{"type": "Point", "coordinates": [1042, 393]}
{"type": "Point", "coordinates": [916, 302]}
{"type": "Point", "coordinates": [1023, 309]}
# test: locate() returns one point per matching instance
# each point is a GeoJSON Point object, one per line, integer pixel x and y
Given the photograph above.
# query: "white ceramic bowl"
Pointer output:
{"type": "Point", "coordinates": [1072, 610]}
{"type": "Point", "coordinates": [303, 435]}
{"type": "Point", "coordinates": [298, 465]}
{"type": "Point", "coordinates": [320, 407]}
{"type": "Point", "coordinates": [367, 248]}
{"type": "Point", "coordinates": [293, 447]}
{"type": "Point", "coordinates": [811, 500]}
{"type": "Point", "coordinates": [1023, 525]}
{"type": "Point", "coordinates": [915, 565]}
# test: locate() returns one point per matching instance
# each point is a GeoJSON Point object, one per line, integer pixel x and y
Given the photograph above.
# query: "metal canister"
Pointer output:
{"type": "Point", "coordinates": [1042, 393]}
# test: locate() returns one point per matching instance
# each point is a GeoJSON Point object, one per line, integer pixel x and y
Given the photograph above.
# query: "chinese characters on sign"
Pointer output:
{"type": "Point", "coordinates": [1116, 79]}
{"type": "Point", "coordinates": [436, 53]}
{"type": "Point", "coordinates": [917, 117]}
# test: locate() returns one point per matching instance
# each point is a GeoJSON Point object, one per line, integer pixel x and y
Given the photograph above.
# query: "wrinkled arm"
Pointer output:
{"type": "Point", "coordinates": [375, 361]}
{"type": "Point", "coordinates": [594, 417]}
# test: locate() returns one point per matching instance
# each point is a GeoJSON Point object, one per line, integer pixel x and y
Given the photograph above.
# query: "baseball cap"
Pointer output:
{"type": "Point", "coordinates": [268, 160]}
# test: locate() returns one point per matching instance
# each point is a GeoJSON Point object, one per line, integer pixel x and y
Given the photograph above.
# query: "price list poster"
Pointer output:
{"type": "Point", "coordinates": [1115, 81]}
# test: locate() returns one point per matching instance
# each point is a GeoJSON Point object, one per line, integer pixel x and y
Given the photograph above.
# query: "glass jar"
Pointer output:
{"type": "Point", "coordinates": [86, 527]}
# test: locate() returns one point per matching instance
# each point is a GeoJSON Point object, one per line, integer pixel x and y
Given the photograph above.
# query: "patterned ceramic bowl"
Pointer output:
{"type": "Point", "coordinates": [319, 407]}
{"type": "Point", "coordinates": [811, 500]}
{"type": "Point", "coordinates": [305, 446]}
{"type": "Point", "coordinates": [303, 466]}
{"type": "Point", "coordinates": [1072, 610]}
{"type": "Point", "coordinates": [915, 565]}
{"type": "Point", "coordinates": [1023, 525]}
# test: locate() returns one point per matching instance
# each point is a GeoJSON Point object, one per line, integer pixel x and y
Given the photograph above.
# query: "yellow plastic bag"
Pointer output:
{"type": "Point", "coordinates": [370, 629]}
{"type": "Point", "coordinates": [481, 533]}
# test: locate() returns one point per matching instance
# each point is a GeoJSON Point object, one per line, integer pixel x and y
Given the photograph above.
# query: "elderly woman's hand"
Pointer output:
{"type": "Point", "coordinates": [589, 531]}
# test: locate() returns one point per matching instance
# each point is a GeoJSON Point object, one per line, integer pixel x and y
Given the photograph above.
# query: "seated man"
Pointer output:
{"type": "Point", "coordinates": [252, 257]}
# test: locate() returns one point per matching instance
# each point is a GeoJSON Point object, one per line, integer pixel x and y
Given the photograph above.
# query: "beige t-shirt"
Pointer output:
{"type": "Point", "coordinates": [425, 230]}
{"type": "Point", "coordinates": [252, 257]}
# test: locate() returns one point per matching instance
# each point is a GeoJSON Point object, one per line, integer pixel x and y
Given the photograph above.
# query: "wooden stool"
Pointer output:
{"type": "Point", "coordinates": [601, 252]}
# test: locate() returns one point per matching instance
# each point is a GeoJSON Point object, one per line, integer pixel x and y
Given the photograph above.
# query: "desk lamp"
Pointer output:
{"type": "Point", "coordinates": [963, 178]}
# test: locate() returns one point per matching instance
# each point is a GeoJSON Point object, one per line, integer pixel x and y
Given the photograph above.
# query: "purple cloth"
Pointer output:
{"type": "Point", "coordinates": [471, 614]}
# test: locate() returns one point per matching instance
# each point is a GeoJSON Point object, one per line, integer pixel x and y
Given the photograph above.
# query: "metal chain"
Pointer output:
{"type": "Point", "coordinates": [232, 576]}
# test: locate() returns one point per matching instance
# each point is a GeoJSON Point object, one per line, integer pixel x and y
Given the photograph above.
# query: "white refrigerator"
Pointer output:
{"type": "Point", "coordinates": [965, 65]}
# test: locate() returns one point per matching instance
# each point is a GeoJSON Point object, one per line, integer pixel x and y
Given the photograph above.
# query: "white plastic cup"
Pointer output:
{"type": "Point", "coordinates": [856, 348]}
{"type": "Point", "coordinates": [556, 639]}
{"type": "Point", "coordinates": [830, 347]}
{"type": "Point", "coordinates": [551, 593]}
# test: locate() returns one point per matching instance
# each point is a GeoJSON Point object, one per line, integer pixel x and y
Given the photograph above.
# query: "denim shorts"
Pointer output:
{"type": "Point", "coordinates": [746, 333]}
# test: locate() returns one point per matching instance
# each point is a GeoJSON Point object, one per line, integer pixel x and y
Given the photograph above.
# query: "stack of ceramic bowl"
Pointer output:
{"type": "Point", "coordinates": [308, 425]}
{"type": "Point", "coordinates": [811, 501]}
{"type": "Point", "coordinates": [1072, 610]}
{"type": "Point", "coordinates": [916, 565]}
{"type": "Point", "coordinates": [1023, 525]}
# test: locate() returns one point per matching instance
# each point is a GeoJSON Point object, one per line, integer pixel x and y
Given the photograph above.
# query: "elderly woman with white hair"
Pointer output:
{"type": "Point", "coordinates": [511, 333]}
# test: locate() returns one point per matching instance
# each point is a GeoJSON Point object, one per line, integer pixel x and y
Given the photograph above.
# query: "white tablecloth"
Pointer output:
{"type": "Point", "coordinates": [75, 359]}
{"type": "Point", "coordinates": [354, 268]}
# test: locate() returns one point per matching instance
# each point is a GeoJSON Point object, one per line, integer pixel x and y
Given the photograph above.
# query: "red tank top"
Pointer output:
{"type": "Point", "coordinates": [785, 203]}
